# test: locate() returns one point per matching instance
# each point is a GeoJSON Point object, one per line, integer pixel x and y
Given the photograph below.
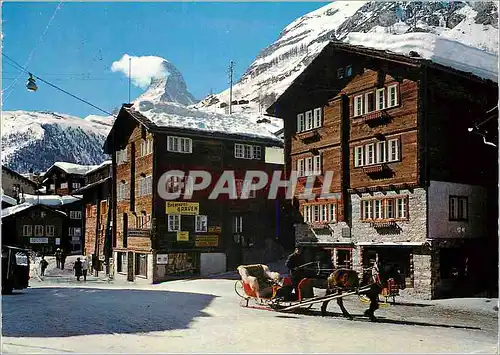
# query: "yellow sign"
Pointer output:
{"type": "Point", "coordinates": [185, 208]}
{"type": "Point", "coordinates": [216, 229]}
{"type": "Point", "coordinates": [183, 236]}
{"type": "Point", "coordinates": [207, 241]}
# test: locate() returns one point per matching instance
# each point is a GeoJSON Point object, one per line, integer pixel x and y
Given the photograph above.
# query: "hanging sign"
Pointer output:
{"type": "Point", "coordinates": [183, 236]}
{"type": "Point", "coordinates": [161, 259]}
{"type": "Point", "coordinates": [183, 208]}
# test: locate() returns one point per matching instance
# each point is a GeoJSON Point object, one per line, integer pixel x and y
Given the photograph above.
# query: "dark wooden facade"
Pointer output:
{"type": "Point", "coordinates": [140, 222]}
{"type": "Point", "coordinates": [59, 182]}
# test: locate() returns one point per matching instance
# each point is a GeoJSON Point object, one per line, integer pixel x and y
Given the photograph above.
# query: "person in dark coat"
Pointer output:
{"type": "Point", "coordinates": [58, 258]}
{"type": "Point", "coordinates": [78, 269]}
{"type": "Point", "coordinates": [63, 259]}
{"type": "Point", "coordinates": [43, 265]}
{"type": "Point", "coordinates": [293, 261]}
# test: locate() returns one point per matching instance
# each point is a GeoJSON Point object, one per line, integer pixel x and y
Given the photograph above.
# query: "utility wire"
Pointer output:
{"type": "Point", "coordinates": [30, 56]}
{"type": "Point", "coordinates": [58, 88]}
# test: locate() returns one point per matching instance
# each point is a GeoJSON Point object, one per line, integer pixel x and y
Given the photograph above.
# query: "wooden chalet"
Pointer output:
{"type": "Point", "coordinates": [64, 178]}
{"type": "Point", "coordinates": [36, 227]}
{"type": "Point", "coordinates": [409, 178]}
{"type": "Point", "coordinates": [155, 239]}
{"type": "Point", "coordinates": [15, 184]}
{"type": "Point", "coordinates": [97, 216]}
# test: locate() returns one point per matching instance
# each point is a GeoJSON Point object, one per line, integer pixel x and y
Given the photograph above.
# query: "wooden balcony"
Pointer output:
{"type": "Point", "coordinates": [373, 169]}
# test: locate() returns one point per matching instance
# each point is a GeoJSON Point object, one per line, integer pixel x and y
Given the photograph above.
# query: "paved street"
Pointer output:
{"type": "Point", "coordinates": [59, 314]}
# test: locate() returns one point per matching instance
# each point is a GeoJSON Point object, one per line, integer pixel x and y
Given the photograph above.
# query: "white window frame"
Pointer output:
{"type": "Point", "coordinates": [300, 122]}
{"type": "Point", "coordinates": [237, 224]}
{"type": "Point", "coordinates": [458, 208]}
{"type": "Point", "coordinates": [359, 156]}
{"type": "Point", "coordinates": [317, 164]}
{"type": "Point", "coordinates": [49, 230]}
{"type": "Point", "coordinates": [367, 206]}
{"type": "Point", "coordinates": [39, 229]}
{"type": "Point", "coordinates": [122, 191]}
{"type": "Point", "coordinates": [146, 147]}
{"type": "Point", "coordinates": [75, 214]}
{"type": "Point", "coordinates": [257, 152]}
{"type": "Point", "coordinates": [246, 151]}
{"type": "Point", "coordinates": [174, 222]}
{"type": "Point", "coordinates": [401, 213]}
{"type": "Point", "coordinates": [27, 230]}
{"type": "Point", "coordinates": [309, 166]}
{"type": "Point", "coordinates": [64, 185]}
{"type": "Point", "coordinates": [317, 117]}
{"type": "Point", "coordinates": [381, 152]}
{"type": "Point", "coordinates": [393, 150]}
{"type": "Point", "coordinates": [177, 144]}
{"type": "Point", "coordinates": [380, 94]}
{"type": "Point", "coordinates": [201, 223]}
{"type": "Point", "coordinates": [370, 158]}
{"type": "Point", "coordinates": [121, 156]}
{"type": "Point", "coordinates": [300, 167]}
{"type": "Point", "coordinates": [378, 211]}
{"type": "Point", "coordinates": [145, 186]}
{"type": "Point", "coordinates": [76, 185]}
{"type": "Point", "coordinates": [389, 211]}
{"type": "Point", "coordinates": [366, 102]}
{"type": "Point", "coordinates": [392, 89]}
{"type": "Point", "coordinates": [358, 105]}
{"type": "Point", "coordinates": [309, 120]}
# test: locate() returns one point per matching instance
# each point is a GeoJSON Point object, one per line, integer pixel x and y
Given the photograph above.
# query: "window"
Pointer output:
{"type": "Point", "coordinates": [237, 224]}
{"type": "Point", "coordinates": [39, 231]}
{"type": "Point", "coordinates": [309, 166]}
{"type": "Point", "coordinates": [392, 97]}
{"type": "Point", "coordinates": [49, 231]}
{"type": "Point", "coordinates": [384, 208]}
{"type": "Point", "coordinates": [340, 73]}
{"type": "Point", "coordinates": [393, 150]}
{"type": "Point", "coordinates": [174, 223]}
{"type": "Point", "coordinates": [76, 185]}
{"type": "Point", "coordinates": [179, 144]}
{"type": "Point", "coordinates": [239, 188]}
{"type": "Point", "coordinates": [121, 156]}
{"type": "Point", "coordinates": [143, 221]}
{"type": "Point", "coordinates": [358, 105]}
{"type": "Point", "coordinates": [309, 120]}
{"type": "Point", "coordinates": [317, 117]}
{"type": "Point", "coordinates": [458, 208]}
{"type": "Point", "coordinates": [380, 99]}
{"type": "Point", "coordinates": [64, 185]}
{"type": "Point", "coordinates": [319, 213]}
{"type": "Point", "coordinates": [369, 102]}
{"type": "Point", "coordinates": [381, 152]}
{"type": "Point", "coordinates": [52, 187]}
{"type": "Point", "coordinates": [146, 147]}
{"type": "Point", "coordinates": [201, 223]}
{"type": "Point", "coordinates": [75, 231]}
{"type": "Point", "coordinates": [317, 165]}
{"type": "Point", "coordinates": [75, 214]}
{"type": "Point", "coordinates": [358, 156]}
{"type": "Point", "coordinates": [245, 151]}
{"type": "Point", "coordinates": [104, 204]}
{"type": "Point", "coordinates": [348, 71]}
{"type": "Point", "coordinates": [174, 184]}
{"type": "Point", "coordinates": [300, 122]}
{"type": "Point", "coordinates": [145, 186]}
{"type": "Point", "coordinates": [370, 154]}
{"type": "Point", "coordinates": [300, 167]}
{"type": "Point", "coordinates": [141, 264]}
{"type": "Point", "coordinates": [122, 191]}
{"type": "Point", "coordinates": [27, 230]}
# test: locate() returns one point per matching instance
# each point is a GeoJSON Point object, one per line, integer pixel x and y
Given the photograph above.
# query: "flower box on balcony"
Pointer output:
{"type": "Point", "coordinates": [372, 116]}
{"type": "Point", "coordinates": [374, 168]}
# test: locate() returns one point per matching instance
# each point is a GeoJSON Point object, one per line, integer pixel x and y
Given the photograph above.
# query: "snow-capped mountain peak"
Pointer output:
{"type": "Point", "coordinates": [167, 86]}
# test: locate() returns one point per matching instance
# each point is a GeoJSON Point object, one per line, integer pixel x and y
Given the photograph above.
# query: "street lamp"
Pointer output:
{"type": "Point", "coordinates": [31, 84]}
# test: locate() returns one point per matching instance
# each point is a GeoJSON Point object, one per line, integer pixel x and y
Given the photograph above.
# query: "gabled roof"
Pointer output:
{"type": "Point", "coordinates": [11, 211]}
{"type": "Point", "coordinates": [70, 168]}
{"type": "Point", "coordinates": [406, 59]}
{"type": "Point", "coordinates": [176, 119]}
{"type": "Point", "coordinates": [19, 176]}
{"type": "Point", "coordinates": [51, 200]}
{"type": "Point", "coordinates": [92, 185]}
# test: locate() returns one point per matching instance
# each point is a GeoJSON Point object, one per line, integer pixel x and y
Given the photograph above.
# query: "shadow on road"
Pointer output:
{"type": "Point", "coordinates": [360, 317]}
{"type": "Point", "coordinates": [64, 312]}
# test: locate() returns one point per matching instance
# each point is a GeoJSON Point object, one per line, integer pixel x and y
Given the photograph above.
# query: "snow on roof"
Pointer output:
{"type": "Point", "coordinates": [71, 168]}
{"type": "Point", "coordinates": [103, 164]}
{"type": "Point", "coordinates": [168, 114]}
{"type": "Point", "coordinates": [8, 199]}
{"type": "Point", "coordinates": [9, 211]}
{"type": "Point", "coordinates": [51, 200]}
{"type": "Point", "coordinates": [435, 48]}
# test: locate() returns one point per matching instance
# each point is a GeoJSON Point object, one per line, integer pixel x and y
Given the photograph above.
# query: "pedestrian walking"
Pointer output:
{"type": "Point", "coordinates": [58, 258]}
{"type": "Point", "coordinates": [63, 259]}
{"type": "Point", "coordinates": [43, 265]}
{"type": "Point", "coordinates": [85, 267]}
{"type": "Point", "coordinates": [78, 269]}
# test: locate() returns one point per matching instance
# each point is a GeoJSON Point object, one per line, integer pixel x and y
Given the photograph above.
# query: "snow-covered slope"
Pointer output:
{"type": "Point", "coordinates": [431, 28]}
{"type": "Point", "coordinates": [37, 139]}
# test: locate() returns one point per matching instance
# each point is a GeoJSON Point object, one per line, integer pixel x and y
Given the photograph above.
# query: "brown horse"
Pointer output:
{"type": "Point", "coordinates": [344, 280]}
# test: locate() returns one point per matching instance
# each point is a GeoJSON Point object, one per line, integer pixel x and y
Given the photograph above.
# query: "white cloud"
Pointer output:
{"type": "Point", "coordinates": [143, 69]}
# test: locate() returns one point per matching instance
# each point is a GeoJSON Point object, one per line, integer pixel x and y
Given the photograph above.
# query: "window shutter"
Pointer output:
{"type": "Point", "coordinates": [300, 122]}
{"type": "Point", "coordinates": [317, 117]}
{"type": "Point", "coordinates": [317, 164]}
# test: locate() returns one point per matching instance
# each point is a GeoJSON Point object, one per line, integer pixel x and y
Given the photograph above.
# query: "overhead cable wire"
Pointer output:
{"type": "Point", "coordinates": [60, 89]}
{"type": "Point", "coordinates": [30, 56]}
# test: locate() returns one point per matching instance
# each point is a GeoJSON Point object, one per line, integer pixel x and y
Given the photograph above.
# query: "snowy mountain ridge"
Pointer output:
{"type": "Point", "coordinates": [466, 29]}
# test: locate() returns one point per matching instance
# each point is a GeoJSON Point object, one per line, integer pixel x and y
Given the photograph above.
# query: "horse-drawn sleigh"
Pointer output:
{"type": "Point", "coordinates": [273, 292]}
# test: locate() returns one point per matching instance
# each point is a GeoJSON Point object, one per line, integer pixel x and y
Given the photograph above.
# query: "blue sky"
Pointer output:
{"type": "Point", "coordinates": [84, 39]}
